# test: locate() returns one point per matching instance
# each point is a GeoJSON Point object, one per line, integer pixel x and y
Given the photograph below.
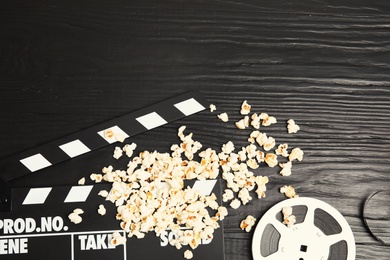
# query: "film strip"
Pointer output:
{"type": "Point", "coordinates": [320, 232]}
{"type": "Point", "coordinates": [37, 225]}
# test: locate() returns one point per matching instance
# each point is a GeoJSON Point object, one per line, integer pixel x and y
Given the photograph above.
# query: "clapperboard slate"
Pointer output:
{"type": "Point", "coordinates": [34, 222]}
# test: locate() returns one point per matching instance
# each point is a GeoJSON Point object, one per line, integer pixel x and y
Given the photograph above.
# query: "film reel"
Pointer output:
{"type": "Point", "coordinates": [378, 221]}
{"type": "Point", "coordinates": [320, 232]}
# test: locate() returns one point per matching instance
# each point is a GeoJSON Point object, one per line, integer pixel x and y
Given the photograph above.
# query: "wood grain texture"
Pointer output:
{"type": "Point", "coordinates": [65, 66]}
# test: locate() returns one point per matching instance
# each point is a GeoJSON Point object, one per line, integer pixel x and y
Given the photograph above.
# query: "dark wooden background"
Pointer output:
{"type": "Point", "coordinates": [69, 65]}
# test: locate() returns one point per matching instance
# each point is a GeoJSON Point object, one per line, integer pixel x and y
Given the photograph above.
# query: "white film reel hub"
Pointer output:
{"type": "Point", "coordinates": [304, 240]}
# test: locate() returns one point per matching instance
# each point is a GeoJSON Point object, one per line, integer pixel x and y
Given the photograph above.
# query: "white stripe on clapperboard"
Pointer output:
{"type": "Point", "coordinates": [81, 193]}
{"type": "Point", "coordinates": [76, 147]}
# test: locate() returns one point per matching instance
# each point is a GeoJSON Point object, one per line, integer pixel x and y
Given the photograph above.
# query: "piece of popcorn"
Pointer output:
{"type": "Point", "coordinates": [242, 155]}
{"type": "Point", "coordinates": [243, 123]}
{"type": "Point", "coordinates": [117, 239]}
{"type": "Point", "coordinates": [255, 121]}
{"type": "Point", "coordinates": [269, 144]}
{"type": "Point", "coordinates": [271, 159]}
{"type": "Point", "coordinates": [81, 181]}
{"type": "Point", "coordinates": [267, 120]}
{"type": "Point", "coordinates": [296, 154]}
{"type": "Point", "coordinates": [222, 212]}
{"type": "Point", "coordinates": [248, 223]}
{"type": "Point", "coordinates": [261, 138]}
{"type": "Point", "coordinates": [245, 108]}
{"type": "Point", "coordinates": [289, 221]}
{"type": "Point", "coordinates": [117, 153]}
{"type": "Point", "coordinates": [109, 133]}
{"type": "Point", "coordinates": [292, 127]}
{"type": "Point", "coordinates": [102, 210]}
{"type": "Point", "coordinates": [212, 108]}
{"type": "Point", "coordinates": [223, 117]}
{"type": "Point", "coordinates": [252, 163]}
{"type": "Point", "coordinates": [75, 216]}
{"type": "Point", "coordinates": [288, 218]}
{"type": "Point", "coordinates": [227, 195]}
{"type": "Point", "coordinates": [244, 196]}
{"type": "Point", "coordinates": [188, 254]}
{"type": "Point", "coordinates": [235, 204]}
{"type": "Point", "coordinates": [251, 151]}
{"type": "Point", "coordinates": [260, 156]}
{"type": "Point", "coordinates": [286, 168]}
{"type": "Point", "coordinates": [120, 137]}
{"type": "Point", "coordinates": [282, 150]}
{"type": "Point", "coordinates": [129, 149]}
{"type": "Point", "coordinates": [96, 177]}
{"type": "Point", "coordinates": [288, 191]}
{"type": "Point", "coordinates": [103, 193]}
{"type": "Point", "coordinates": [287, 211]}
{"type": "Point", "coordinates": [228, 147]}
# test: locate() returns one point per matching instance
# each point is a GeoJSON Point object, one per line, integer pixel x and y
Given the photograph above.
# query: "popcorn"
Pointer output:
{"type": "Point", "coordinates": [81, 181]}
{"type": "Point", "coordinates": [129, 149]}
{"type": "Point", "coordinates": [286, 168]}
{"type": "Point", "coordinates": [228, 147]}
{"type": "Point", "coordinates": [243, 123]}
{"type": "Point", "coordinates": [288, 191]}
{"type": "Point", "coordinates": [252, 164]}
{"type": "Point", "coordinates": [222, 212]}
{"type": "Point", "coordinates": [244, 196]}
{"type": "Point", "coordinates": [288, 218]}
{"type": "Point", "coordinates": [245, 108]}
{"type": "Point", "coordinates": [271, 159]}
{"type": "Point", "coordinates": [150, 195]}
{"type": "Point", "coordinates": [223, 117]}
{"type": "Point", "coordinates": [75, 216]}
{"type": "Point", "coordinates": [227, 195]}
{"type": "Point", "coordinates": [117, 239]}
{"type": "Point", "coordinates": [103, 193]}
{"type": "Point", "coordinates": [102, 210]}
{"type": "Point", "coordinates": [188, 254]}
{"type": "Point", "coordinates": [267, 120]}
{"type": "Point", "coordinates": [120, 137]}
{"type": "Point", "coordinates": [255, 121]}
{"type": "Point", "coordinates": [297, 154]}
{"type": "Point", "coordinates": [235, 204]}
{"type": "Point", "coordinates": [248, 223]}
{"type": "Point", "coordinates": [253, 136]}
{"type": "Point", "coordinates": [282, 150]}
{"type": "Point", "coordinates": [96, 177]}
{"type": "Point", "coordinates": [269, 144]}
{"type": "Point", "coordinates": [117, 153]}
{"type": "Point", "coordinates": [261, 188]}
{"type": "Point", "coordinates": [109, 133]}
{"type": "Point", "coordinates": [292, 127]}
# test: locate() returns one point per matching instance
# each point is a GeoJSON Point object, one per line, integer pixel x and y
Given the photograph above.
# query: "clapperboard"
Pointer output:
{"type": "Point", "coordinates": [34, 222]}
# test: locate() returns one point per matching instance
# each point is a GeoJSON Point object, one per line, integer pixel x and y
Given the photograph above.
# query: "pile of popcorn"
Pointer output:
{"type": "Point", "coordinates": [151, 195]}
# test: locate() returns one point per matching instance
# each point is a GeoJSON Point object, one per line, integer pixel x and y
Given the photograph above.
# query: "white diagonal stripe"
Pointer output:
{"type": "Point", "coordinates": [35, 162]}
{"type": "Point", "coordinates": [78, 193]}
{"type": "Point", "coordinates": [189, 106]}
{"type": "Point", "coordinates": [74, 148]}
{"type": "Point", "coordinates": [36, 196]}
{"type": "Point", "coordinates": [151, 120]}
{"type": "Point", "coordinates": [204, 187]}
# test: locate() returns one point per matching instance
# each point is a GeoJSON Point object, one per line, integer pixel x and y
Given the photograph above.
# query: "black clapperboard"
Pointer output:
{"type": "Point", "coordinates": [34, 221]}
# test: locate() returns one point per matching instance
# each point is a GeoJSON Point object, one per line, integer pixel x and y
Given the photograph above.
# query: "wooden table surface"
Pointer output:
{"type": "Point", "coordinates": [69, 65]}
